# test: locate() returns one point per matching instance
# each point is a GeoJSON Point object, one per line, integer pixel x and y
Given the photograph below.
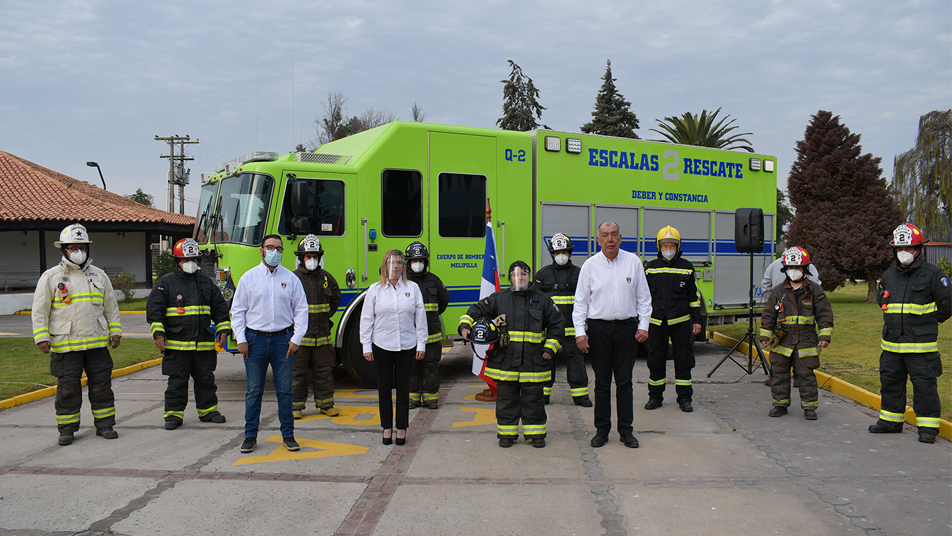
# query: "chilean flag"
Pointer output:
{"type": "Point", "coordinates": [488, 285]}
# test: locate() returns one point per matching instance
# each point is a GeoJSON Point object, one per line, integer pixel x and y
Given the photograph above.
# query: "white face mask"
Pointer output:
{"type": "Point", "coordinates": [561, 259]}
{"type": "Point", "coordinates": [417, 267]}
{"type": "Point", "coordinates": [190, 267]}
{"type": "Point", "coordinates": [905, 258]}
{"type": "Point", "coordinates": [312, 264]}
{"type": "Point", "coordinates": [669, 254]}
{"type": "Point", "coordinates": [78, 256]}
{"type": "Point", "coordinates": [394, 267]}
{"type": "Point", "coordinates": [794, 275]}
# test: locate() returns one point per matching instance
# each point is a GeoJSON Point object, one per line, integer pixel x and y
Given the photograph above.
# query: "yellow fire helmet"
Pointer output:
{"type": "Point", "coordinates": [668, 234]}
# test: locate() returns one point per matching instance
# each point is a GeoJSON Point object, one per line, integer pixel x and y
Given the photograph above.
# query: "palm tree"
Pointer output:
{"type": "Point", "coordinates": [690, 129]}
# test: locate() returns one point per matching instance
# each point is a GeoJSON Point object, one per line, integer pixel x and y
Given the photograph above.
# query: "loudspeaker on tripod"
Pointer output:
{"type": "Point", "coordinates": [749, 230]}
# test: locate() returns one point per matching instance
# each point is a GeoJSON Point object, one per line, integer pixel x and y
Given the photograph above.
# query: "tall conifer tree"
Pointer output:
{"type": "Point", "coordinates": [612, 115]}
{"type": "Point", "coordinates": [845, 213]}
{"type": "Point", "coordinates": [520, 105]}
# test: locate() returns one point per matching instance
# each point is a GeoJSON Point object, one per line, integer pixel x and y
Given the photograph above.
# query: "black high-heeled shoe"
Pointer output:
{"type": "Point", "coordinates": [388, 440]}
{"type": "Point", "coordinates": [402, 440]}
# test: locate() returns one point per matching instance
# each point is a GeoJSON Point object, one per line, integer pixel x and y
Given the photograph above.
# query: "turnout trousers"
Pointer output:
{"type": "Point", "coordinates": [613, 347]}
{"type": "Point", "coordinates": [575, 372]}
{"type": "Point", "coordinates": [314, 370]}
{"type": "Point", "coordinates": [179, 365]}
{"type": "Point", "coordinates": [517, 401]}
{"type": "Point", "coordinates": [780, 384]}
{"type": "Point", "coordinates": [68, 367]}
{"type": "Point", "coordinates": [681, 345]}
{"type": "Point", "coordinates": [922, 370]}
{"type": "Point", "coordinates": [425, 375]}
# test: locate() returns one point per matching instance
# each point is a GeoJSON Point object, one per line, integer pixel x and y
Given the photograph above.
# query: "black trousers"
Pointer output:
{"type": "Point", "coordinates": [179, 365]}
{"type": "Point", "coordinates": [681, 335]}
{"type": "Point", "coordinates": [68, 367]}
{"type": "Point", "coordinates": [393, 371]}
{"type": "Point", "coordinates": [515, 401]}
{"type": "Point", "coordinates": [575, 373]}
{"type": "Point", "coordinates": [922, 370]}
{"type": "Point", "coordinates": [425, 374]}
{"type": "Point", "coordinates": [613, 347]}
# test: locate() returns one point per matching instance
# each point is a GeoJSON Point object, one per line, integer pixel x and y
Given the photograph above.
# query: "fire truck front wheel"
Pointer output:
{"type": "Point", "coordinates": [351, 353]}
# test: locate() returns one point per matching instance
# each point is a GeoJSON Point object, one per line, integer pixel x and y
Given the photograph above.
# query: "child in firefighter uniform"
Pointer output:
{"type": "Point", "coordinates": [521, 362]}
{"type": "Point", "coordinates": [315, 359]}
{"type": "Point", "coordinates": [425, 373]}
{"type": "Point", "coordinates": [794, 311]}
{"type": "Point", "coordinates": [181, 309]}
{"type": "Point", "coordinates": [558, 281]}
{"type": "Point", "coordinates": [915, 297]}
{"type": "Point", "coordinates": [75, 315]}
{"type": "Point", "coordinates": [675, 315]}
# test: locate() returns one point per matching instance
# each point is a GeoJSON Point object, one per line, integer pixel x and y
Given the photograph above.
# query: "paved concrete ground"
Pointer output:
{"type": "Point", "coordinates": [726, 468]}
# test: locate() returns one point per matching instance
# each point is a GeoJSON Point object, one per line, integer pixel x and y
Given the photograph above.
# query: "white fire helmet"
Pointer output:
{"type": "Point", "coordinates": [73, 234]}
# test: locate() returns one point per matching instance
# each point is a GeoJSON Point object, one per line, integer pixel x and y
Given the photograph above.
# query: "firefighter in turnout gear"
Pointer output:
{"type": "Point", "coordinates": [675, 315]}
{"type": "Point", "coordinates": [531, 334]}
{"type": "Point", "coordinates": [915, 298]}
{"type": "Point", "coordinates": [425, 373]}
{"type": "Point", "coordinates": [75, 315]}
{"type": "Point", "coordinates": [799, 313]}
{"type": "Point", "coordinates": [187, 313]}
{"type": "Point", "coordinates": [558, 280]}
{"type": "Point", "coordinates": [316, 358]}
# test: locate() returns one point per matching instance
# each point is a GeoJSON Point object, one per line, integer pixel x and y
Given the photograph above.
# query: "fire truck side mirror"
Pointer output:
{"type": "Point", "coordinates": [299, 204]}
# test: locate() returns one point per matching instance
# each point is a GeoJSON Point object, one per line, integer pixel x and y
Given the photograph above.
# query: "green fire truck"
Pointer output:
{"type": "Point", "coordinates": [386, 187]}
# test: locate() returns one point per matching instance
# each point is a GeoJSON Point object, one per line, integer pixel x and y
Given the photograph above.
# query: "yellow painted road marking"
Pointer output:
{"type": "Point", "coordinates": [352, 393]}
{"type": "Point", "coordinates": [483, 416]}
{"type": "Point", "coordinates": [348, 415]}
{"type": "Point", "coordinates": [325, 449]}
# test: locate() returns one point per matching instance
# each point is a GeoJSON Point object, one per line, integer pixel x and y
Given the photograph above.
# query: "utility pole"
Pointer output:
{"type": "Point", "coordinates": [178, 175]}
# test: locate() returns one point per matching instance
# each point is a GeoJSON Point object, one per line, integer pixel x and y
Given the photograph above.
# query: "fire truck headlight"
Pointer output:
{"type": "Point", "coordinates": [553, 143]}
{"type": "Point", "coordinates": [573, 145]}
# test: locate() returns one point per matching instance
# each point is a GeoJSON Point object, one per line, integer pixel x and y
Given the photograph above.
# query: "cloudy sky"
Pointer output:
{"type": "Point", "coordinates": [97, 80]}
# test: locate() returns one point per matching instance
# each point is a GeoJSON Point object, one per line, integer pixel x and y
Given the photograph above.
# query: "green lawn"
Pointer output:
{"type": "Point", "coordinates": [137, 304]}
{"type": "Point", "coordinates": [853, 355]}
{"type": "Point", "coordinates": [27, 369]}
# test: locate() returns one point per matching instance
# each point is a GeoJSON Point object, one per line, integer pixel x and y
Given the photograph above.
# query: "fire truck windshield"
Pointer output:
{"type": "Point", "coordinates": [243, 211]}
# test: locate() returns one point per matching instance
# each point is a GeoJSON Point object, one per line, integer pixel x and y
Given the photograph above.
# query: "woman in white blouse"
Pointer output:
{"type": "Point", "coordinates": [393, 332]}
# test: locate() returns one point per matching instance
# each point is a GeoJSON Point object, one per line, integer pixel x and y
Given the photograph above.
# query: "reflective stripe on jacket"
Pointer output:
{"type": "Point", "coordinates": [182, 308]}
{"type": "Point", "coordinates": [534, 325]}
{"type": "Point", "coordinates": [673, 291]}
{"type": "Point", "coordinates": [915, 300]}
{"type": "Point", "coordinates": [559, 283]}
{"type": "Point", "coordinates": [435, 300]}
{"type": "Point", "coordinates": [79, 315]}
{"type": "Point", "coordinates": [799, 316]}
{"type": "Point", "coordinates": [323, 299]}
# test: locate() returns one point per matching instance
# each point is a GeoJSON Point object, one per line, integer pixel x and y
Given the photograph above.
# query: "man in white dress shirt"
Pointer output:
{"type": "Point", "coordinates": [269, 320]}
{"type": "Point", "coordinates": [613, 297]}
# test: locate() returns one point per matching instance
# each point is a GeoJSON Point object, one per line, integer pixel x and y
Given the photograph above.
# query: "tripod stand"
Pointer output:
{"type": "Point", "coordinates": [749, 337]}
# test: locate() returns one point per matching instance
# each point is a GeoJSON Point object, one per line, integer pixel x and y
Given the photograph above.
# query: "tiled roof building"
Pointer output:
{"type": "Point", "coordinates": [33, 197]}
{"type": "Point", "coordinates": [36, 203]}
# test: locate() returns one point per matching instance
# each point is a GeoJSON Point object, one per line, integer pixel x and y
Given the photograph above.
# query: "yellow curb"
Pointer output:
{"type": "Point", "coordinates": [840, 387]}
{"type": "Point", "coordinates": [50, 391]}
